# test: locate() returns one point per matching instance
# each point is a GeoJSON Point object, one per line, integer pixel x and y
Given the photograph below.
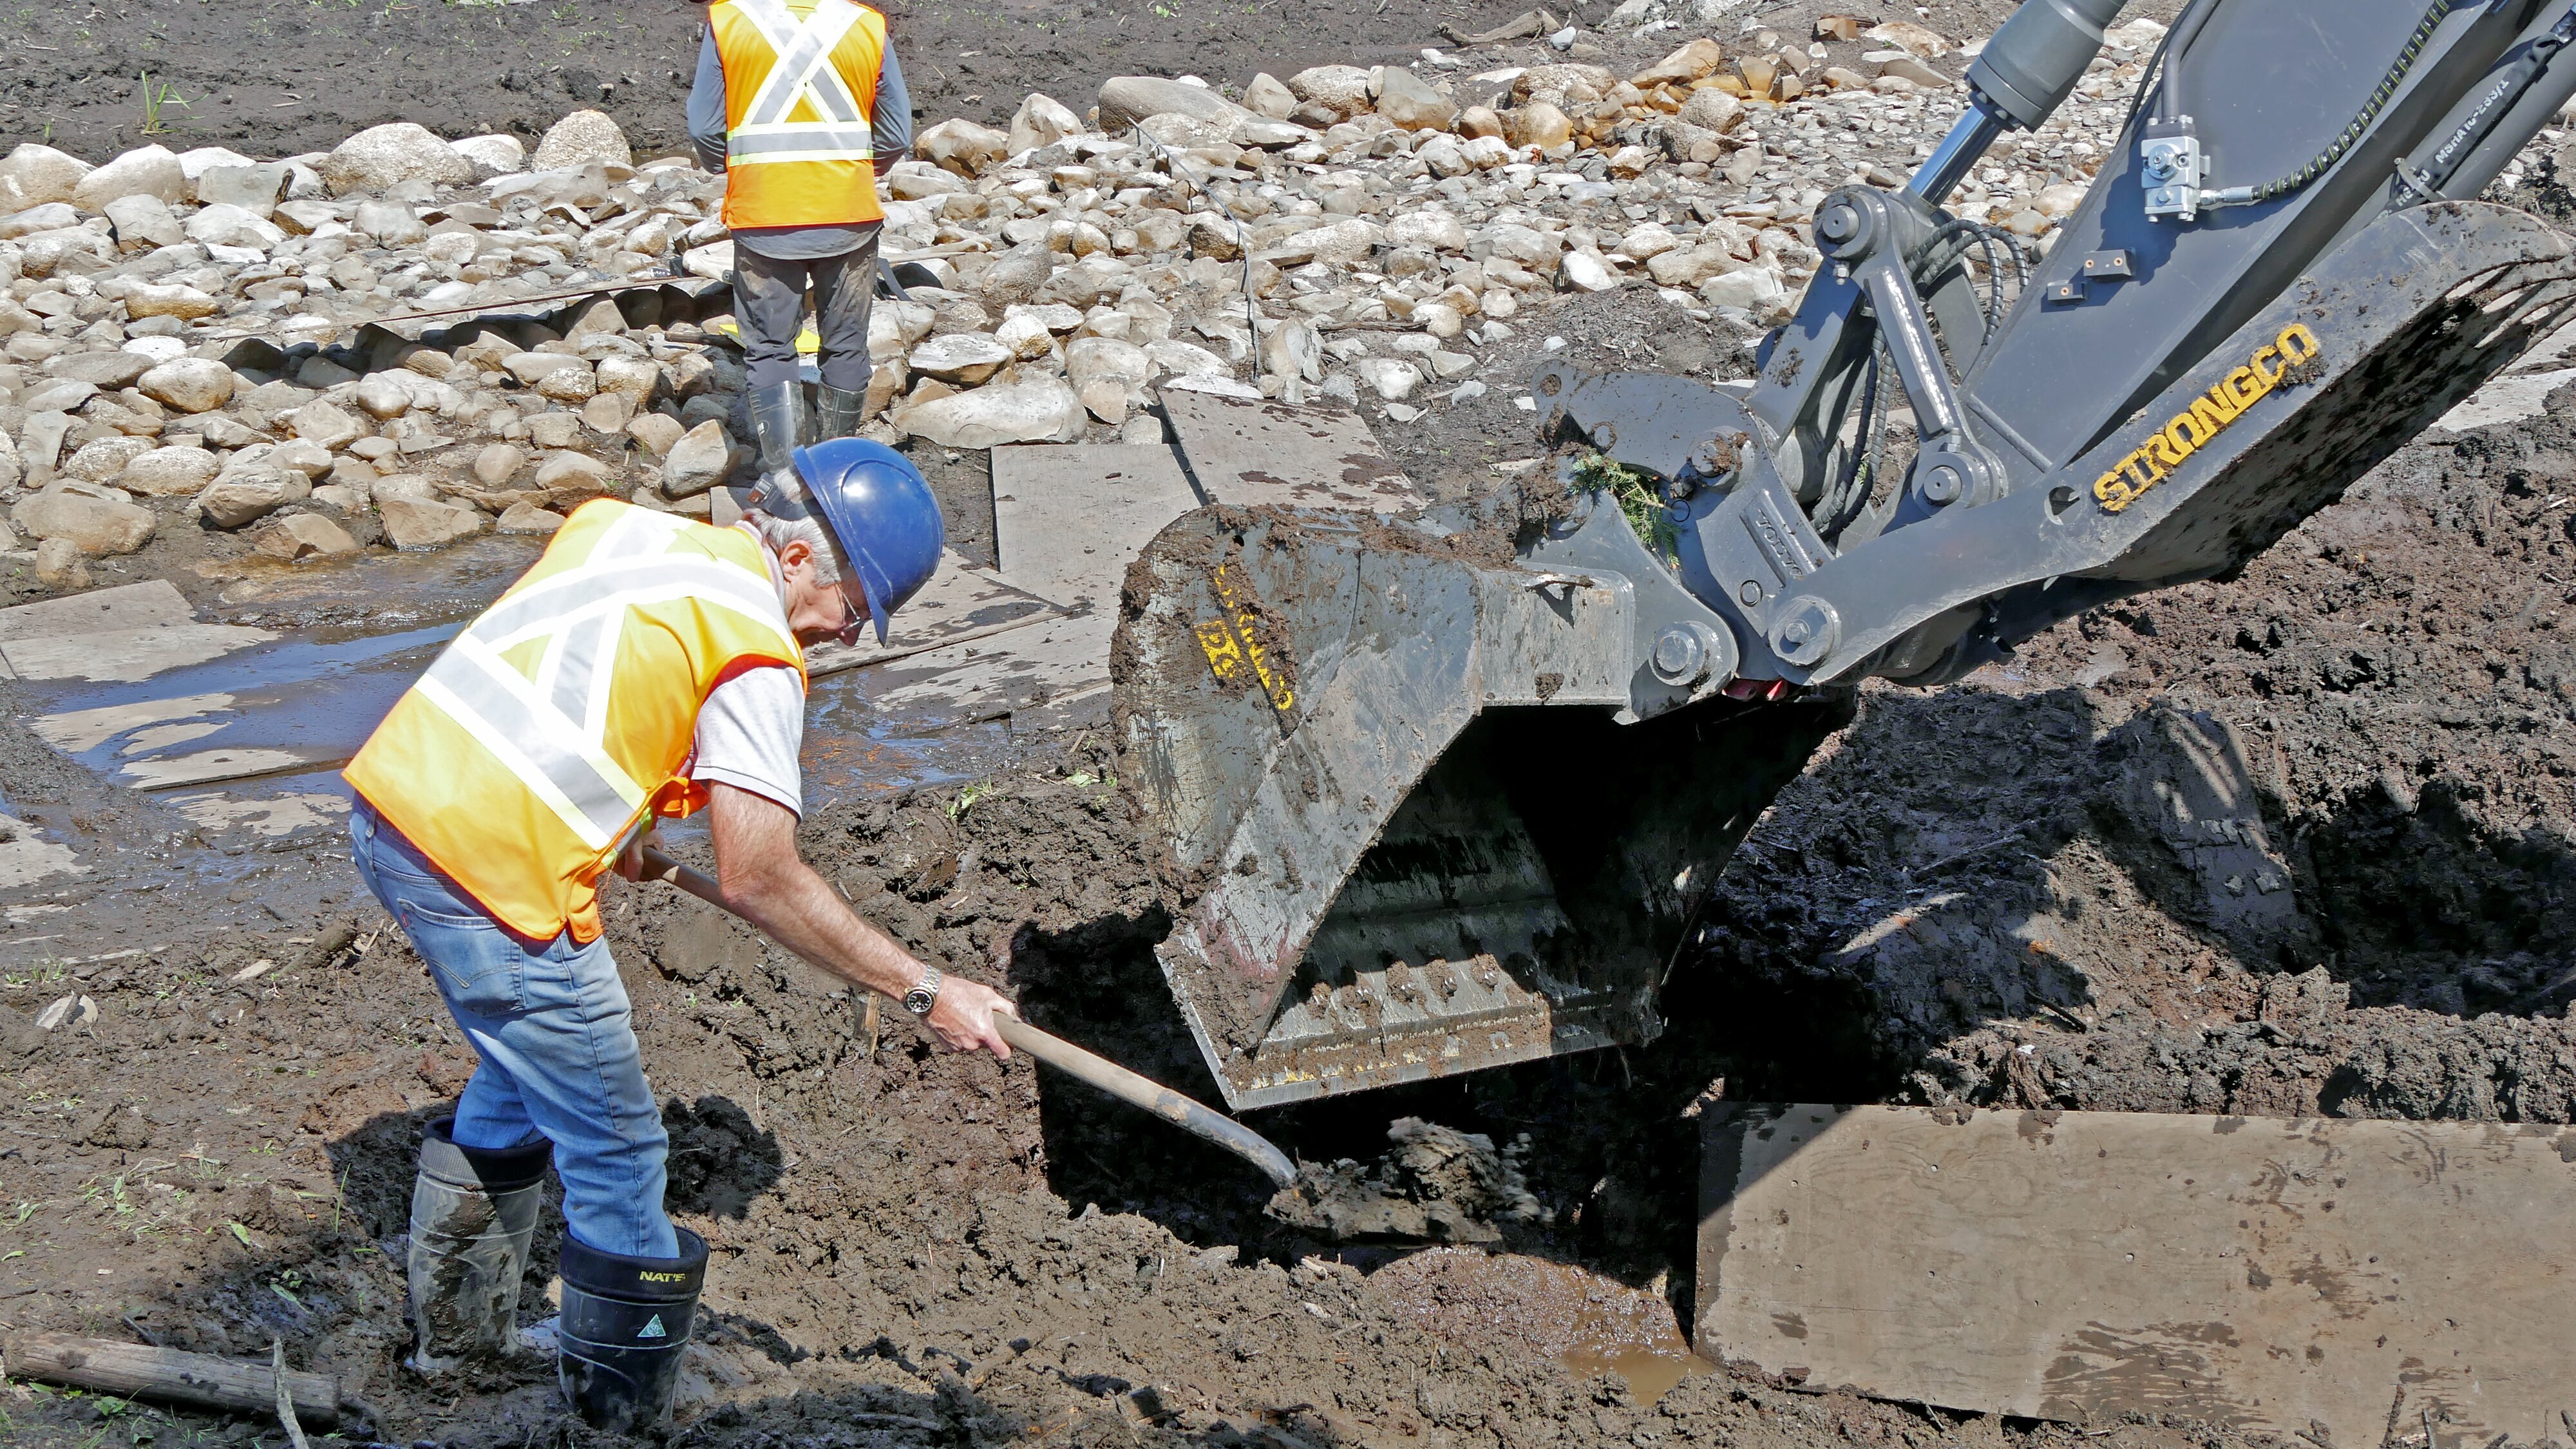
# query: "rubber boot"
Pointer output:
{"type": "Point", "coordinates": [839, 413]}
{"type": "Point", "coordinates": [625, 1321]}
{"type": "Point", "coordinates": [778, 423]}
{"type": "Point", "coordinates": [472, 1212]}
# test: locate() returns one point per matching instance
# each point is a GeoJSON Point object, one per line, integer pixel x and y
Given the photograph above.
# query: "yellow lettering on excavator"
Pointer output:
{"type": "Point", "coordinates": [2292, 357]}
{"type": "Point", "coordinates": [1233, 645]}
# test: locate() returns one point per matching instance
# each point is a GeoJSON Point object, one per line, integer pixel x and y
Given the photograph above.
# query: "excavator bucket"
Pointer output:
{"type": "Point", "coordinates": [1398, 771]}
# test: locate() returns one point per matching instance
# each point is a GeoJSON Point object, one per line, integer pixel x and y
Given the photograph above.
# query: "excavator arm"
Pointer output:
{"type": "Point", "coordinates": [1445, 792]}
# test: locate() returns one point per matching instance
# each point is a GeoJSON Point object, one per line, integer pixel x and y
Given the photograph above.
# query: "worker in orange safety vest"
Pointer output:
{"type": "Point", "coordinates": [800, 103]}
{"type": "Point", "coordinates": [647, 666]}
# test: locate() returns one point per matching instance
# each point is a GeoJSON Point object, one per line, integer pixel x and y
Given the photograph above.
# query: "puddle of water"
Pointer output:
{"type": "Point", "coordinates": [1587, 1321]}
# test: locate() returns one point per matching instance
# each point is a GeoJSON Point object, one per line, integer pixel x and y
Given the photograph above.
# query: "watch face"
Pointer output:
{"type": "Point", "coordinates": [917, 1001]}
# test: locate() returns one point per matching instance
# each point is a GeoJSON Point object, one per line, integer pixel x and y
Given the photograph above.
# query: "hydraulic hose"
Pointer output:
{"type": "Point", "coordinates": [2317, 166]}
{"type": "Point", "coordinates": [1064, 1056]}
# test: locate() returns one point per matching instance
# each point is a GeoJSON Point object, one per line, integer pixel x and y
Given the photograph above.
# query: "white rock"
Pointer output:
{"type": "Point", "coordinates": [493, 155]}
{"type": "Point", "coordinates": [1041, 121]}
{"type": "Point", "coordinates": [583, 138]}
{"type": "Point", "coordinates": [1430, 227]}
{"type": "Point", "coordinates": [177, 471]}
{"type": "Point", "coordinates": [1090, 359]}
{"type": "Point", "coordinates": [250, 495]}
{"type": "Point", "coordinates": [197, 162]}
{"type": "Point", "coordinates": [967, 357]}
{"type": "Point", "coordinates": [383, 395]}
{"type": "Point", "coordinates": [412, 523]}
{"type": "Point", "coordinates": [389, 222]}
{"type": "Point", "coordinates": [302, 535]}
{"type": "Point", "coordinates": [144, 221]}
{"type": "Point", "coordinates": [1391, 378]}
{"type": "Point", "coordinates": [1025, 336]}
{"type": "Point", "coordinates": [145, 171]}
{"type": "Point", "coordinates": [327, 424]}
{"type": "Point", "coordinates": [1127, 99]}
{"type": "Point", "coordinates": [698, 461]}
{"type": "Point", "coordinates": [1187, 359]}
{"type": "Point", "coordinates": [1345, 88]}
{"type": "Point", "coordinates": [32, 175]}
{"type": "Point", "coordinates": [1748, 288]}
{"type": "Point", "coordinates": [183, 302]}
{"type": "Point", "coordinates": [190, 384]}
{"type": "Point", "coordinates": [383, 156]}
{"type": "Point", "coordinates": [232, 226]}
{"type": "Point", "coordinates": [94, 519]}
{"type": "Point", "coordinates": [1045, 410]}
{"type": "Point", "coordinates": [1647, 241]}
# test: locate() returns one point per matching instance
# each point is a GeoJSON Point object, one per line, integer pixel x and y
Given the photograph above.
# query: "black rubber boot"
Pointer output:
{"type": "Point", "coordinates": [472, 1212]}
{"type": "Point", "coordinates": [839, 413]}
{"type": "Point", "coordinates": [778, 423]}
{"type": "Point", "coordinates": [625, 1321]}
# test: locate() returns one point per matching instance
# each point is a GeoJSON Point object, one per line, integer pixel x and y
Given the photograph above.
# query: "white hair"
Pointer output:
{"type": "Point", "coordinates": [779, 532]}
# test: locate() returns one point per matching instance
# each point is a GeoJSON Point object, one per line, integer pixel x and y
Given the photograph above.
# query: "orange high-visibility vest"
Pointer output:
{"type": "Point", "coordinates": [800, 84]}
{"type": "Point", "coordinates": [564, 717]}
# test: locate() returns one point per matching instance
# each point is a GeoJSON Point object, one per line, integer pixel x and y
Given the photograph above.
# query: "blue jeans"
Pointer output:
{"type": "Point", "coordinates": [555, 1032]}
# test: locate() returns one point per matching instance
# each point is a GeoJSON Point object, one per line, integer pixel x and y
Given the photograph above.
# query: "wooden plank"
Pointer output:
{"type": "Point", "coordinates": [961, 602]}
{"type": "Point", "coordinates": [130, 1369]}
{"type": "Point", "coordinates": [1053, 666]}
{"type": "Point", "coordinates": [1243, 451]}
{"type": "Point", "coordinates": [127, 606]}
{"type": "Point", "coordinates": [1070, 517]}
{"type": "Point", "coordinates": [2080, 1265]}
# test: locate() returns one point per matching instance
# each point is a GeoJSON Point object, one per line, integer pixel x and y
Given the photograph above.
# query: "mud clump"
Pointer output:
{"type": "Point", "coordinates": [1438, 1185]}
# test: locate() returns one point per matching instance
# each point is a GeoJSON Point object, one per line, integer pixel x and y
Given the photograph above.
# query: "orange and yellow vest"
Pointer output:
{"type": "Point", "coordinates": [563, 718]}
{"type": "Point", "coordinates": [800, 84]}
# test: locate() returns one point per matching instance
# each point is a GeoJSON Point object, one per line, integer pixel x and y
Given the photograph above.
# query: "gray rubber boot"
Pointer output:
{"type": "Point", "coordinates": [473, 1211]}
{"type": "Point", "coordinates": [839, 413]}
{"type": "Point", "coordinates": [778, 423]}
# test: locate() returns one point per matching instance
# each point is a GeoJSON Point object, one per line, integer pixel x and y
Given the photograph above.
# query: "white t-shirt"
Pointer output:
{"type": "Point", "coordinates": [750, 731]}
{"type": "Point", "coordinates": [752, 728]}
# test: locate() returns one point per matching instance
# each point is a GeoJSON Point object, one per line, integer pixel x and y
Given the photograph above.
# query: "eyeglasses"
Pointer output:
{"type": "Point", "coordinates": [854, 624]}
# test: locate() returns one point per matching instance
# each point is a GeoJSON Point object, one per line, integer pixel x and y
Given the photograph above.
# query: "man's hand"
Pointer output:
{"type": "Point", "coordinates": [766, 883]}
{"type": "Point", "coordinates": [963, 1016]}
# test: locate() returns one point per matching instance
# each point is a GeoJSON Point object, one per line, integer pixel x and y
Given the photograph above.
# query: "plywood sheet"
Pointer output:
{"type": "Point", "coordinates": [127, 606]}
{"type": "Point", "coordinates": [961, 602]}
{"type": "Point", "coordinates": [1245, 451]}
{"type": "Point", "coordinates": [1052, 664]}
{"type": "Point", "coordinates": [2081, 1265]}
{"type": "Point", "coordinates": [1070, 517]}
{"type": "Point", "coordinates": [126, 655]}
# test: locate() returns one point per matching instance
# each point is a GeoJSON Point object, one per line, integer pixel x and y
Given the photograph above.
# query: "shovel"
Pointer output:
{"type": "Point", "coordinates": [1064, 1056]}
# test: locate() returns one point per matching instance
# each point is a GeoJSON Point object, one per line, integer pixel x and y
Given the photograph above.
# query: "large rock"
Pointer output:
{"type": "Point", "coordinates": [962, 146]}
{"type": "Point", "coordinates": [1127, 99]}
{"type": "Point", "coordinates": [190, 384]}
{"type": "Point", "coordinates": [1687, 267]}
{"type": "Point", "coordinates": [49, 216]}
{"type": "Point", "coordinates": [1695, 59]}
{"type": "Point", "coordinates": [103, 369]}
{"type": "Point", "coordinates": [584, 138]}
{"type": "Point", "coordinates": [251, 495]}
{"type": "Point", "coordinates": [1268, 96]}
{"type": "Point", "coordinates": [302, 535]}
{"type": "Point", "coordinates": [1040, 121]}
{"type": "Point", "coordinates": [93, 522]}
{"type": "Point", "coordinates": [101, 459]}
{"type": "Point", "coordinates": [254, 189]}
{"type": "Point", "coordinates": [225, 225]}
{"type": "Point", "coordinates": [383, 156]}
{"type": "Point", "coordinates": [1750, 288]}
{"type": "Point", "coordinates": [1430, 228]}
{"type": "Point", "coordinates": [1585, 271]}
{"type": "Point", "coordinates": [698, 461]}
{"type": "Point", "coordinates": [1408, 101]}
{"type": "Point", "coordinates": [1044, 411]}
{"type": "Point", "coordinates": [183, 302]}
{"type": "Point", "coordinates": [1538, 124]}
{"type": "Point", "coordinates": [962, 357]}
{"type": "Point", "coordinates": [1711, 110]}
{"type": "Point", "coordinates": [390, 223]}
{"type": "Point", "coordinates": [493, 155]}
{"type": "Point", "coordinates": [327, 423]}
{"type": "Point", "coordinates": [144, 171]}
{"type": "Point", "coordinates": [425, 522]}
{"type": "Point", "coordinates": [144, 221]}
{"type": "Point", "coordinates": [178, 471]}
{"type": "Point", "coordinates": [33, 175]}
{"type": "Point", "coordinates": [1345, 88]}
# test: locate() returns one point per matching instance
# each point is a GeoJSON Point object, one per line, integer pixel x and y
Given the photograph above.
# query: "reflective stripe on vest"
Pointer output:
{"type": "Point", "coordinates": [564, 715]}
{"type": "Point", "coordinates": [798, 100]}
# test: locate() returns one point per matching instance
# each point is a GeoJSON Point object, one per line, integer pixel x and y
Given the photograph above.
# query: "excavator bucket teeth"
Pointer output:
{"type": "Point", "coordinates": [1385, 763]}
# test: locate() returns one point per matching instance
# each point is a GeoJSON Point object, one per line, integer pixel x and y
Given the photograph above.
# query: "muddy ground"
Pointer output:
{"type": "Point", "coordinates": [1974, 894]}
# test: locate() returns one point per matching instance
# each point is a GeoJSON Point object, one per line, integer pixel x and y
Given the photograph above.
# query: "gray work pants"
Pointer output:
{"type": "Point", "coordinates": [769, 306]}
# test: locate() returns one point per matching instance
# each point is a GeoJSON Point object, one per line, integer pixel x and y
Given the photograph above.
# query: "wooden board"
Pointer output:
{"type": "Point", "coordinates": [1052, 667]}
{"type": "Point", "coordinates": [1069, 517]}
{"type": "Point", "coordinates": [2081, 1265]}
{"type": "Point", "coordinates": [1244, 451]}
{"type": "Point", "coordinates": [961, 602]}
{"type": "Point", "coordinates": [127, 606]}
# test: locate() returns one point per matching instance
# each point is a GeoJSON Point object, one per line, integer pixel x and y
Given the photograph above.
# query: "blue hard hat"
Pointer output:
{"type": "Point", "coordinates": [880, 511]}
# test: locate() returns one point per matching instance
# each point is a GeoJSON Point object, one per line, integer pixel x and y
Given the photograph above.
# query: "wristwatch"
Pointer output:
{"type": "Point", "coordinates": [924, 993]}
